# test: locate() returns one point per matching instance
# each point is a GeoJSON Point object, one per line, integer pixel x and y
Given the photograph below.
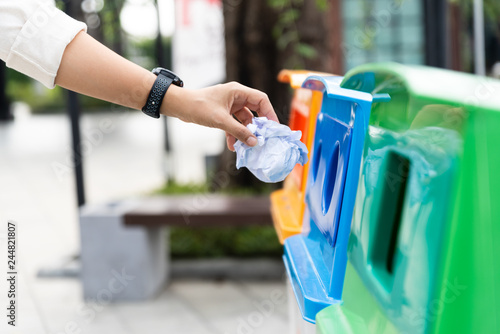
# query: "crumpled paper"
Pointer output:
{"type": "Point", "coordinates": [278, 150]}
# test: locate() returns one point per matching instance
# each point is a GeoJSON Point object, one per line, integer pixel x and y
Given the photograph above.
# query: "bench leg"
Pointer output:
{"type": "Point", "coordinates": [121, 263]}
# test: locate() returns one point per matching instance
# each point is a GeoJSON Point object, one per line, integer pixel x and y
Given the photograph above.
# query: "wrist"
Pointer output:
{"type": "Point", "coordinates": [148, 82]}
{"type": "Point", "coordinates": [173, 101]}
{"type": "Point", "coordinates": [163, 82]}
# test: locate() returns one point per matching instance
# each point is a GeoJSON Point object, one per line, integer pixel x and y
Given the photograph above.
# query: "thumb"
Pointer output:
{"type": "Point", "coordinates": [239, 131]}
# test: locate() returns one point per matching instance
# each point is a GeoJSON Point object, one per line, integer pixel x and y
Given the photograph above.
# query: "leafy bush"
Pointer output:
{"type": "Point", "coordinates": [43, 100]}
{"type": "Point", "coordinates": [253, 241]}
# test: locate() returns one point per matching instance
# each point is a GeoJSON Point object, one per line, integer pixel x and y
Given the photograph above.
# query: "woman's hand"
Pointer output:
{"type": "Point", "coordinates": [215, 106]}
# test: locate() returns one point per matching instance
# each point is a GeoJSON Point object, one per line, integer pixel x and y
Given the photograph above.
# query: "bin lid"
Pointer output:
{"type": "Point", "coordinates": [296, 77]}
{"type": "Point", "coordinates": [445, 86]}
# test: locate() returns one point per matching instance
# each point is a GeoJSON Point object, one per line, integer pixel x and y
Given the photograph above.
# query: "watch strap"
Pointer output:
{"type": "Point", "coordinates": [156, 95]}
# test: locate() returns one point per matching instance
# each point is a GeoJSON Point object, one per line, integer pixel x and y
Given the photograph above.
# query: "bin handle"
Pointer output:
{"type": "Point", "coordinates": [381, 97]}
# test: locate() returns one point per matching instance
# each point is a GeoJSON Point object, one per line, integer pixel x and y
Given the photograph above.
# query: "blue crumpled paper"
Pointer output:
{"type": "Point", "coordinates": [278, 150]}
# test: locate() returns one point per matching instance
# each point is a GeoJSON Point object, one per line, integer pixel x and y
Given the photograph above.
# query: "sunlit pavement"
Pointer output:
{"type": "Point", "coordinates": [123, 158]}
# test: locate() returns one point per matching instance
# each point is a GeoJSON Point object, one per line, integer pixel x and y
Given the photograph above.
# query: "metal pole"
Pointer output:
{"type": "Point", "coordinates": [160, 59]}
{"type": "Point", "coordinates": [479, 57]}
{"type": "Point", "coordinates": [74, 114]}
{"type": "Point", "coordinates": [5, 114]}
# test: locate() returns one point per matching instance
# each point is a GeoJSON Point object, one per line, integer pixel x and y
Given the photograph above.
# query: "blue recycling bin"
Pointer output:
{"type": "Point", "coordinates": [316, 260]}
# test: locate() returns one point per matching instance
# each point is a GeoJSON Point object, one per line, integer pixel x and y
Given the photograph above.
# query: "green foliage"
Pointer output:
{"type": "Point", "coordinates": [290, 16]}
{"type": "Point", "coordinates": [40, 100]}
{"type": "Point", "coordinates": [322, 5]}
{"type": "Point", "coordinates": [43, 100]}
{"type": "Point", "coordinates": [306, 51]}
{"type": "Point", "coordinates": [174, 188]}
{"type": "Point", "coordinates": [146, 48]}
{"type": "Point", "coordinates": [286, 32]}
{"type": "Point", "coordinates": [491, 9]}
{"type": "Point", "coordinates": [12, 75]}
{"type": "Point", "coordinates": [290, 37]}
{"type": "Point", "coordinates": [276, 4]}
{"type": "Point", "coordinates": [60, 4]}
{"type": "Point", "coordinates": [254, 241]}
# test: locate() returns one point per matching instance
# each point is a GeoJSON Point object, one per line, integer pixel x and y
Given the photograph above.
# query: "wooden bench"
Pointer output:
{"type": "Point", "coordinates": [125, 251]}
{"type": "Point", "coordinates": [204, 210]}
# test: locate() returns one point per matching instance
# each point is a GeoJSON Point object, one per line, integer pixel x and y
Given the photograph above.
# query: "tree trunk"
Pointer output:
{"type": "Point", "coordinates": [435, 17]}
{"type": "Point", "coordinates": [335, 28]}
{"type": "Point", "coordinates": [455, 37]}
{"type": "Point", "coordinates": [253, 59]}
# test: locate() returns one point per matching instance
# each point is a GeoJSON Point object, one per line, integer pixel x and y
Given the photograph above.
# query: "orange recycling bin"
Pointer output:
{"type": "Point", "coordinates": [287, 204]}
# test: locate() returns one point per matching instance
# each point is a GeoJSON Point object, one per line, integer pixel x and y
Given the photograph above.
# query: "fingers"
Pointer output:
{"type": "Point", "coordinates": [230, 140]}
{"type": "Point", "coordinates": [244, 115]}
{"type": "Point", "coordinates": [255, 100]}
{"type": "Point", "coordinates": [265, 109]}
{"type": "Point", "coordinates": [236, 130]}
{"type": "Point", "coordinates": [239, 101]}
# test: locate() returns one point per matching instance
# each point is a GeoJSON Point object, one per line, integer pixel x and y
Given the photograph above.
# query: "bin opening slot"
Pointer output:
{"type": "Point", "coordinates": [391, 211]}
{"type": "Point", "coordinates": [330, 178]}
{"type": "Point", "coordinates": [397, 211]}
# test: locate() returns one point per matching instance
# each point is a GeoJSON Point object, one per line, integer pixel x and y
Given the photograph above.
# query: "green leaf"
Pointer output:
{"type": "Point", "coordinates": [289, 16]}
{"type": "Point", "coordinates": [277, 4]}
{"type": "Point", "coordinates": [277, 31]}
{"type": "Point", "coordinates": [210, 242]}
{"type": "Point", "coordinates": [321, 4]}
{"type": "Point", "coordinates": [287, 38]}
{"type": "Point", "coordinates": [306, 51]}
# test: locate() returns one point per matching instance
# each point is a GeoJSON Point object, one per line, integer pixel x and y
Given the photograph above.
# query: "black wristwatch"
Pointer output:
{"type": "Point", "coordinates": [164, 79]}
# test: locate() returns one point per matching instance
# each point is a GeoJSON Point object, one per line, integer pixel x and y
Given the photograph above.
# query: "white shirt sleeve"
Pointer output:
{"type": "Point", "coordinates": [33, 37]}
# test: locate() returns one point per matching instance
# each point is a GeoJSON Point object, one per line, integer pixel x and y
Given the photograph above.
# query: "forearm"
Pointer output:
{"type": "Point", "coordinates": [89, 68]}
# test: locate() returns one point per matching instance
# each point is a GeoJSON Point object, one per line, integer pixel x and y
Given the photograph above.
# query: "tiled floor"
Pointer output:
{"type": "Point", "coordinates": [125, 160]}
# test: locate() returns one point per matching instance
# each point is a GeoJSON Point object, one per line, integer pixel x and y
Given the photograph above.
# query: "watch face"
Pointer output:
{"type": "Point", "coordinates": [163, 71]}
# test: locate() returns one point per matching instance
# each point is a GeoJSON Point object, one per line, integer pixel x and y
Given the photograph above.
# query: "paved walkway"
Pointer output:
{"type": "Point", "coordinates": [123, 158]}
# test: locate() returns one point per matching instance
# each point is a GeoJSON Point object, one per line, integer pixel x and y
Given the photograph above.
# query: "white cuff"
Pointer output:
{"type": "Point", "coordinates": [39, 46]}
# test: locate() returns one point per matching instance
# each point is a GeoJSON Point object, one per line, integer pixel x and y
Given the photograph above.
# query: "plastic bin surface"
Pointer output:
{"type": "Point", "coordinates": [425, 238]}
{"type": "Point", "coordinates": [316, 260]}
{"type": "Point", "coordinates": [287, 204]}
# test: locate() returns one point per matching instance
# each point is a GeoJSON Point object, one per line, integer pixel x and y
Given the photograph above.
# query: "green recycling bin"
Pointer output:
{"type": "Point", "coordinates": [424, 248]}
